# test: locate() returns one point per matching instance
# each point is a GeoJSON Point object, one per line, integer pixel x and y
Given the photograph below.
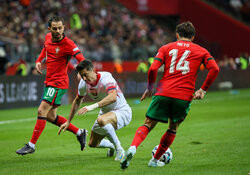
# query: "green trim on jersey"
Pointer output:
{"type": "Point", "coordinates": [77, 54]}
{"type": "Point", "coordinates": [68, 58]}
{"type": "Point", "coordinates": [161, 108]}
{"type": "Point", "coordinates": [53, 95]}
{"type": "Point", "coordinates": [210, 59]}
{"type": "Point", "coordinates": [158, 59]}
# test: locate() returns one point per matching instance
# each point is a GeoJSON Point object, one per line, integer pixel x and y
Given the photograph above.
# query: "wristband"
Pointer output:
{"type": "Point", "coordinates": [203, 91]}
{"type": "Point", "coordinates": [92, 107]}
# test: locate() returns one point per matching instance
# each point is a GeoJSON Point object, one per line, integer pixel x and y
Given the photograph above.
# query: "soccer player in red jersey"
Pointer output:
{"type": "Point", "coordinates": [58, 50]}
{"type": "Point", "coordinates": [175, 90]}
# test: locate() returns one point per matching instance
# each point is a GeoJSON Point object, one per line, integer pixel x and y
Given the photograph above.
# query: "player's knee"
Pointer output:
{"type": "Point", "coordinates": [101, 122]}
{"type": "Point", "coordinates": [40, 112]}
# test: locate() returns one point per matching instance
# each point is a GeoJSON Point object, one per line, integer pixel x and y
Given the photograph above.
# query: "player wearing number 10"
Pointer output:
{"type": "Point", "coordinates": [174, 92]}
{"type": "Point", "coordinates": [58, 49]}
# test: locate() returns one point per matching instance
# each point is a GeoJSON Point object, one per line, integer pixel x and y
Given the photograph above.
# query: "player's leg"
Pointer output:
{"type": "Point", "coordinates": [97, 140]}
{"type": "Point", "coordinates": [156, 112]}
{"type": "Point", "coordinates": [142, 132]}
{"type": "Point", "coordinates": [39, 127]}
{"type": "Point", "coordinates": [59, 120]}
{"type": "Point", "coordinates": [108, 122]}
{"type": "Point", "coordinates": [140, 135]}
{"type": "Point", "coordinates": [166, 140]}
{"type": "Point", "coordinates": [179, 110]}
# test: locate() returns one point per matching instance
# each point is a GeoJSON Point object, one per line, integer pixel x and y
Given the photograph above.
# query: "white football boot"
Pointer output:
{"type": "Point", "coordinates": [119, 154]}
{"type": "Point", "coordinates": [128, 156]}
{"type": "Point", "coordinates": [153, 163]}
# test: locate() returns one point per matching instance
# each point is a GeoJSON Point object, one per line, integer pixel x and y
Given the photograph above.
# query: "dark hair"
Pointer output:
{"type": "Point", "coordinates": [55, 19]}
{"type": "Point", "coordinates": [85, 64]}
{"type": "Point", "coordinates": [185, 29]}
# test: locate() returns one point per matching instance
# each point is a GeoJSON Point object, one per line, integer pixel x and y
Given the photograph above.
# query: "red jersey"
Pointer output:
{"type": "Point", "coordinates": [57, 56]}
{"type": "Point", "coordinates": [182, 60]}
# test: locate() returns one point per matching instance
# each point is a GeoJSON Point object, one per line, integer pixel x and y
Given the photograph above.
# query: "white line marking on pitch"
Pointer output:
{"type": "Point", "coordinates": [16, 121]}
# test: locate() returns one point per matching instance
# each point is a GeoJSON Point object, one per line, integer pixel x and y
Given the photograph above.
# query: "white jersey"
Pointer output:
{"type": "Point", "coordinates": [105, 82]}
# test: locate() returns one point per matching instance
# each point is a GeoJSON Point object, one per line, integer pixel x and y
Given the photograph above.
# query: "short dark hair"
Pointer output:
{"type": "Point", "coordinates": [185, 29]}
{"type": "Point", "coordinates": [55, 19]}
{"type": "Point", "coordinates": [85, 64]}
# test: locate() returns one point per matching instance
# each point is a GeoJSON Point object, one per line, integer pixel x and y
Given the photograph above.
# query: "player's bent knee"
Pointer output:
{"type": "Point", "coordinates": [101, 121]}
{"type": "Point", "coordinates": [40, 112]}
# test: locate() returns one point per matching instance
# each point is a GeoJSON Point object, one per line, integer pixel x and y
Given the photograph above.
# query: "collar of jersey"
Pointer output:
{"type": "Point", "coordinates": [97, 80]}
{"type": "Point", "coordinates": [58, 41]}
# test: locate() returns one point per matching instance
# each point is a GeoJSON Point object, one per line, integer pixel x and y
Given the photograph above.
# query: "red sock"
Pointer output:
{"type": "Point", "coordinates": [140, 135]}
{"type": "Point", "coordinates": [40, 125]}
{"type": "Point", "coordinates": [61, 120]}
{"type": "Point", "coordinates": [166, 140]}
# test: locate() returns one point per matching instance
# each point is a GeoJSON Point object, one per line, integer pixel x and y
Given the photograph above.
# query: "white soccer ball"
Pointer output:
{"type": "Point", "coordinates": [166, 157]}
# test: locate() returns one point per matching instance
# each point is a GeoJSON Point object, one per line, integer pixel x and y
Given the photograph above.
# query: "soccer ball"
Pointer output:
{"type": "Point", "coordinates": [166, 157]}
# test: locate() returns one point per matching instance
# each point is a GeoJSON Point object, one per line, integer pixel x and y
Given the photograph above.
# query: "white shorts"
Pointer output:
{"type": "Point", "coordinates": [123, 115]}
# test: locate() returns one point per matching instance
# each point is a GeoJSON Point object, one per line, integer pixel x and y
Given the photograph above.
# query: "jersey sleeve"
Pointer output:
{"type": "Point", "coordinates": [152, 72]}
{"type": "Point", "coordinates": [109, 83]}
{"type": "Point", "coordinates": [82, 89]}
{"type": "Point", "coordinates": [160, 56]}
{"type": "Point", "coordinates": [206, 57]}
{"type": "Point", "coordinates": [74, 49]}
{"type": "Point", "coordinates": [41, 56]}
{"type": "Point", "coordinates": [75, 52]}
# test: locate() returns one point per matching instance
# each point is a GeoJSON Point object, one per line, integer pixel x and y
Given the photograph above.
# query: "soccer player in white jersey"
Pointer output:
{"type": "Point", "coordinates": [114, 113]}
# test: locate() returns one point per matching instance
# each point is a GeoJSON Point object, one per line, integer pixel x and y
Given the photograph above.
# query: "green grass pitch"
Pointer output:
{"type": "Point", "coordinates": [214, 139]}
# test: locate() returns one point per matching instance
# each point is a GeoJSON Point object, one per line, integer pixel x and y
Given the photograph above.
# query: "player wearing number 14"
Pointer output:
{"type": "Point", "coordinates": [174, 92]}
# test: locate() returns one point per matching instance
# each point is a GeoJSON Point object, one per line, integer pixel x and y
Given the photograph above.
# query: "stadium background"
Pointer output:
{"type": "Point", "coordinates": [120, 36]}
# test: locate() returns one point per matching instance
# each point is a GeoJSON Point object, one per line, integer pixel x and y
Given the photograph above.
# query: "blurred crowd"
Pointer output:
{"type": "Point", "coordinates": [239, 63]}
{"type": "Point", "coordinates": [238, 8]}
{"type": "Point", "coordinates": [103, 31]}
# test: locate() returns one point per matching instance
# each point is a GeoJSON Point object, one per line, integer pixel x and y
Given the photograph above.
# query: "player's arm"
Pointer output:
{"type": "Point", "coordinates": [39, 60]}
{"type": "Point", "coordinates": [74, 107]}
{"type": "Point", "coordinates": [152, 74]}
{"type": "Point", "coordinates": [211, 76]}
{"type": "Point", "coordinates": [109, 99]}
{"type": "Point", "coordinates": [79, 56]}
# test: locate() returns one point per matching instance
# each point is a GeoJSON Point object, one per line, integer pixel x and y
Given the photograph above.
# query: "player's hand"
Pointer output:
{"type": "Point", "coordinates": [39, 67]}
{"type": "Point", "coordinates": [147, 93]}
{"type": "Point", "coordinates": [199, 94]}
{"type": "Point", "coordinates": [82, 111]}
{"type": "Point", "coordinates": [63, 127]}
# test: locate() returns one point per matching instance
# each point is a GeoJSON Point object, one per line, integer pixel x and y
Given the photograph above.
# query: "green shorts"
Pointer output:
{"type": "Point", "coordinates": [161, 108]}
{"type": "Point", "coordinates": [53, 95]}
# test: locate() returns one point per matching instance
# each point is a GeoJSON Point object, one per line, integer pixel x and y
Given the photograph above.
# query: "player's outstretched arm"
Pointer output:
{"type": "Point", "coordinates": [75, 106]}
{"type": "Point", "coordinates": [110, 98]}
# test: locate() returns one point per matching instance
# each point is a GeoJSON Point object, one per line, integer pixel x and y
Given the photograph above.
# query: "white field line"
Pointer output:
{"type": "Point", "coordinates": [144, 106]}
{"type": "Point", "coordinates": [16, 121]}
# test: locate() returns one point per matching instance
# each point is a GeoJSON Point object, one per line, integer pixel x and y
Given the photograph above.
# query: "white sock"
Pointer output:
{"type": "Point", "coordinates": [79, 132]}
{"type": "Point", "coordinates": [32, 145]}
{"type": "Point", "coordinates": [112, 136]}
{"type": "Point", "coordinates": [106, 144]}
